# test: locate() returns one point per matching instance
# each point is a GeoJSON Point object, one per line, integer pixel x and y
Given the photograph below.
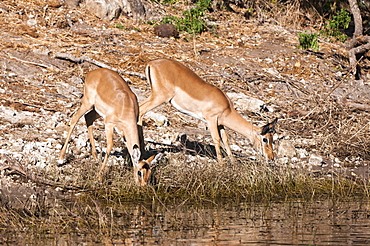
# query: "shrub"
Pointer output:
{"type": "Point", "coordinates": [334, 27]}
{"type": "Point", "coordinates": [193, 19]}
{"type": "Point", "coordinates": [307, 41]}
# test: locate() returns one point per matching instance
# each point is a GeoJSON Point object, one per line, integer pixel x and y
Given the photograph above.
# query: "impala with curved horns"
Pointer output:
{"type": "Point", "coordinates": [106, 94]}
{"type": "Point", "coordinates": [173, 82]}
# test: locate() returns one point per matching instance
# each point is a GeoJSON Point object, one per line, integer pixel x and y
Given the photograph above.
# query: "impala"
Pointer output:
{"type": "Point", "coordinates": [106, 94]}
{"type": "Point", "coordinates": [173, 82]}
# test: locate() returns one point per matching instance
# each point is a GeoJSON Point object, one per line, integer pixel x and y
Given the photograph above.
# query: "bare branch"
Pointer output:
{"type": "Point", "coordinates": [360, 106]}
{"type": "Point", "coordinates": [15, 169]}
{"type": "Point", "coordinates": [357, 17]}
{"type": "Point", "coordinates": [32, 63]}
{"type": "Point", "coordinates": [358, 50]}
{"type": "Point", "coordinates": [97, 63]}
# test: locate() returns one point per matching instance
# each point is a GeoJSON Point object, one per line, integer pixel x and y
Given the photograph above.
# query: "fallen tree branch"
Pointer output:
{"type": "Point", "coordinates": [82, 59]}
{"type": "Point", "coordinates": [28, 105]}
{"type": "Point", "coordinates": [360, 106]}
{"type": "Point", "coordinates": [334, 88]}
{"type": "Point", "coordinates": [343, 79]}
{"type": "Point", "coordinates": [358, 50]}
{"type": "Point", "coordinates": [15, 169]}
{"type": "Point", "coordinates": [32, 63]}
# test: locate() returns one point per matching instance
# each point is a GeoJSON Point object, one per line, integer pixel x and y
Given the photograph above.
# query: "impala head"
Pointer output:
{"type": "Point", "coordinates": [265, 138]}
{"type": "Point", "coordinates": [142, 170]}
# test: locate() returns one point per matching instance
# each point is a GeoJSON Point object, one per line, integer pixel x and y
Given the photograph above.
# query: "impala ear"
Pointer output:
{"type": "Point", "coordinates": [154, 158]}
{"type": "Point", "coordinates": [269, 128]}
{"type": "Point", "coordinates": [135, 155]}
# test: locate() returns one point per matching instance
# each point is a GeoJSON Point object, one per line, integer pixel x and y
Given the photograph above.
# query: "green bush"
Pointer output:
{"type": "Point", "coordinates": [307, 41]}
{"type": "Point", "coordinates": [193, 19]}
{"type": "Point", "coordinates": [334, 27]}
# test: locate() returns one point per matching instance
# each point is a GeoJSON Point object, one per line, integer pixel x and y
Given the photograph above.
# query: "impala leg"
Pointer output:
{"type": "Point", "coordinates": [149, 104]}
{"type": "Point", "coordinates": [131, 131]}
{"type": "Point", "coordinates": [213, 127]}
{"type": "Point", "coordinates": [109, 135]}
{"type": "Point", "coordinates": [81, 111]}
{"type": "Point", "coordinates": [141, 138]}
{"type": "Point", "coordinates": [225, 141]}
{"type": "Point", "coordinates": [145, 106]}
{"type": "Point", "coordinates": [90, 117]}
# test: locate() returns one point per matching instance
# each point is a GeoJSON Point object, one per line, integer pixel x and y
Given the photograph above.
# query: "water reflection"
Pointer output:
{"type": "Point", "coordinates": [275, 224]}
{"type": "Point", "coordinates": [293, 223]}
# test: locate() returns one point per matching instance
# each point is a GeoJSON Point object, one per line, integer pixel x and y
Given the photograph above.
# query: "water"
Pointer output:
{"type": "Point", "coordinates": [290, 223]}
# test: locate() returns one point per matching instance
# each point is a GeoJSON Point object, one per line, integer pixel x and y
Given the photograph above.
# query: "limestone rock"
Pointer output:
{"type": "Point", "coordinates": [286, 149]}
{"type": "Point", "coordinates": [104, 9]}
{"type": "Point", "coordinates": [247, 103]}
{"type": "Point", "coordinates": [111, 9]}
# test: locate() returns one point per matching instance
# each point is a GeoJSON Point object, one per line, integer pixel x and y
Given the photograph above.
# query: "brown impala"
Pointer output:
{"type": "Point", "coordinates": [106, 94]}
{"type": "Point", "coordinates": [173, 82]}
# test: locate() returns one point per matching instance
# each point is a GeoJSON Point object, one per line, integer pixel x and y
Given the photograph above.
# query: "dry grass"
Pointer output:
{"type": "Point", "coordinates": [337, 130]}
{"type": "Point", "coordinates": [176, 179]}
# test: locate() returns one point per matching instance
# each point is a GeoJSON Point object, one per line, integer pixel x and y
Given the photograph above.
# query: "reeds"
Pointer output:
{"type": "Point", "coordinates": [203, 179]}
{"type": "Point", "coordinates": [176, 181]}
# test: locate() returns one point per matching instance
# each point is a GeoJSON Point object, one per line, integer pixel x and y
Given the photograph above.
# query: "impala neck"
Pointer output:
{"type": "Point", "coordinates": [236, 122]}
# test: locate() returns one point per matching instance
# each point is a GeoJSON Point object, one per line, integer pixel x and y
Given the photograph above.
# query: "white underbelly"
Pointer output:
{"type": "Point", "coordinates": [198, 116]}
{"type": "Point", "coordinates": [100, 113]}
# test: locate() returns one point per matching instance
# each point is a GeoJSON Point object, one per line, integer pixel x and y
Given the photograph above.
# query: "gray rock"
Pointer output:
{"type": "Point", "coordinates": [286, 149]}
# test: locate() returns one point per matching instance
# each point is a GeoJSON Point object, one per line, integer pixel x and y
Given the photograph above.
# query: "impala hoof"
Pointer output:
{"type": "Point", "coordinates": [60, 162]}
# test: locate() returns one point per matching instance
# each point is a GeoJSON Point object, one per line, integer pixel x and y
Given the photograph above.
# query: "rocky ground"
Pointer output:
{"type": "Point", "coordinates": [319, 129]}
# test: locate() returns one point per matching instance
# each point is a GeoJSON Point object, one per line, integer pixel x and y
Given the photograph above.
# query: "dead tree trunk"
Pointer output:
{"type": "Point", "coordinates": [359, 43]}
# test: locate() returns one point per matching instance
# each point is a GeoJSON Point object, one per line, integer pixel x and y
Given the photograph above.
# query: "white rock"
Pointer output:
{"type": "Point", "coordinates": [31, 22]}
{"type": "Point", "coordinates": [295, 159]}
{"type": "Point", "coordinates": [158, 118]}
{"type": "Point", "coordinates": [247, 103]}
{"type": "Point", "coordinates": [286, 148]}
{"type": "Point", "coordinates": [81, 141]}
{"type": "Point", "coordinates": [302, 153]}
{"type": "Point", "coordinates": [17, 147]}
{"type": "Point", "coordinates": [28, 147]}
{"type": "Point", "coordinates": [273, 72]}
{"type": "Point", "coordinates": [41, 163]}
{"type": "Point", "coordinates": [58, 146]}
{"type": "Point", "coordinates": [235, 148]}
{"type": "Point", "coordinates": [104, 9]}
{"type": "Point", "coordinates": [315, 160]}
{"type": "Point", "coordinates": [283, 160]}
